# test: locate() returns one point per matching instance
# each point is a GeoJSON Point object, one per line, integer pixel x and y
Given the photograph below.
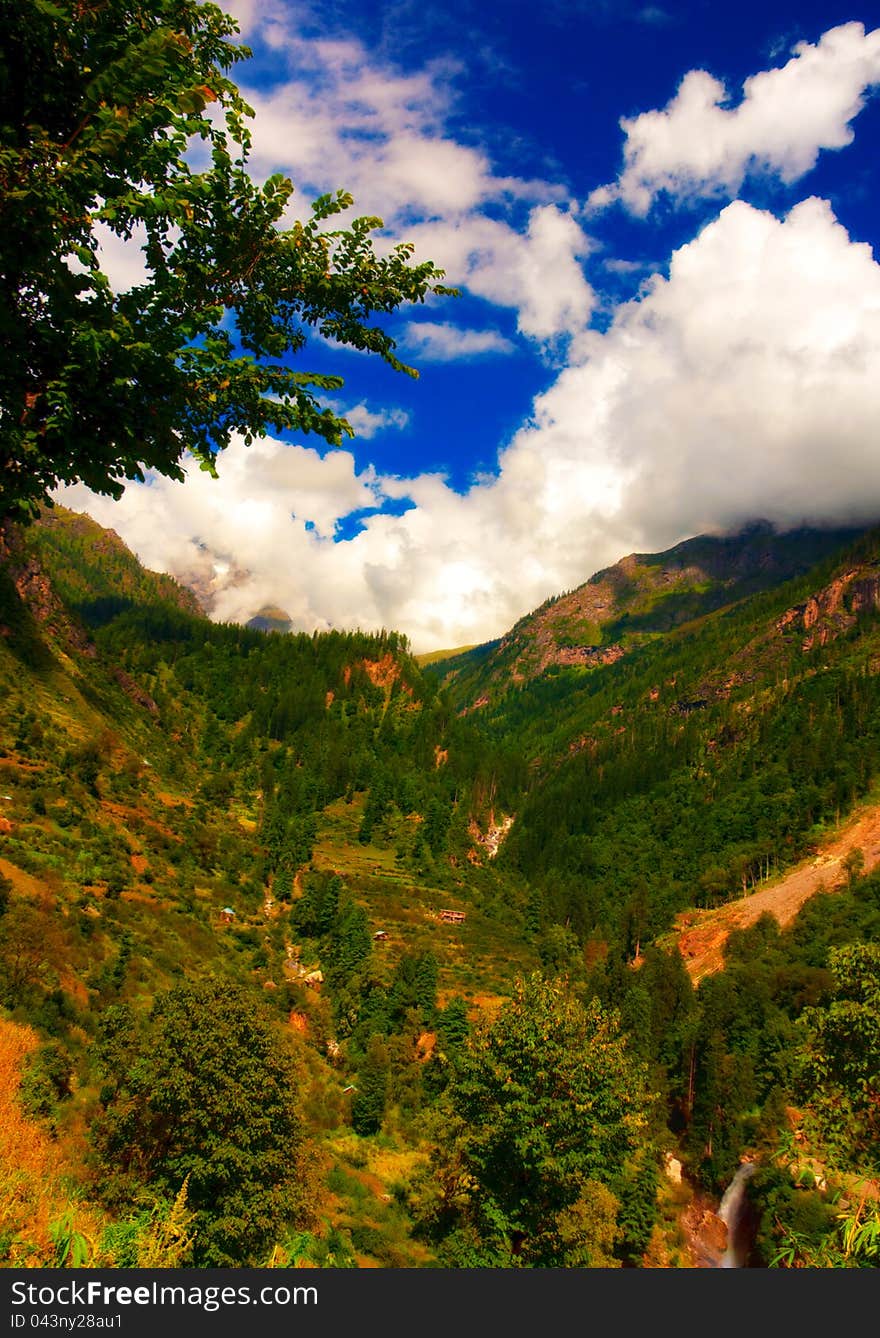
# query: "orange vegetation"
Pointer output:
{"type": "Point", "coordinates": [24, 883]}
{"type": "Point", "coordinates": [34, 1178]}
{"type": "Point", "coordinates": [382, 673]}
{"type": "Point", "coordinates": [122, 814]}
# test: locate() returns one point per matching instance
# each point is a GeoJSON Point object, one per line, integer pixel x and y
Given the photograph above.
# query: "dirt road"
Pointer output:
{"type": "Point", "coordinates": [702, 934]}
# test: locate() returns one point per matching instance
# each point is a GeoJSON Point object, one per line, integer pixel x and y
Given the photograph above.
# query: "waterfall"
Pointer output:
{"type": "Point", "coordinates": [731, 1212]}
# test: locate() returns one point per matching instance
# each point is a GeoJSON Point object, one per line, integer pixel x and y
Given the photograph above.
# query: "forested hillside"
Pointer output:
{"type": "Point", "coordinates": [706, 759]}
{"type": "Point", "coordinates": [391, 940]}
{"type": "Point", "coordinates": [640, 598]}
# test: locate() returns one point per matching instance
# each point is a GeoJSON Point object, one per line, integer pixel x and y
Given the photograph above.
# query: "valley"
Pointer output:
{"type": "Point", "coordinates": [461, 854]}
{"type": "Point", "coordinates": [448, 905]}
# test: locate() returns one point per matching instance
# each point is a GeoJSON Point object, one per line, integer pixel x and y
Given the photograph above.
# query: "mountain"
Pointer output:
{"type": "Point", "coordinates": [309, 847]}
{"type": "Point", "coordinates": [705, 756]}
{"type": "Point", "coordinates": [643, 596]}
{"type": "Point", "coordinates": [84, 567]}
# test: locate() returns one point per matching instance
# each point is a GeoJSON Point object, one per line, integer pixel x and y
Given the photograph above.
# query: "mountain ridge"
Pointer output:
{"type": "Point", "coordinates": [641, 596]}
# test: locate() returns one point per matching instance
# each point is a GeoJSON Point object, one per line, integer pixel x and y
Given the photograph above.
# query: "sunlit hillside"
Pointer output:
{"type": "Point", "coordinates": [362, 913]}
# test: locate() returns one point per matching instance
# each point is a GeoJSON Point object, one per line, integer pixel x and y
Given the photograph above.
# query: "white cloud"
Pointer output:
{"type": "Point", "coordinates": [435, 341]}
{"type": "Point", "coordinates": [368, 423]}
{"type": "Point", "coordinates": [699, 145]}
{"type": "Point", "coordinates": [342, 118]}
{"type": "Point", "coordinates": [538, 273]}
{"type": "Point", "coordinates": [618, 266]}
{"type": "Point", "coordinates": [338, 117]}
{"type": "Point", "coordinates": [122, 261]}
{"type": "Point", "coordinates": [249, 13]}
{"type": "Point", "coordinates": [377, 133]}
{"type": "Point", "coordinates": [745, 384]}
{"type": "Point", "coordinates": [654, 15]}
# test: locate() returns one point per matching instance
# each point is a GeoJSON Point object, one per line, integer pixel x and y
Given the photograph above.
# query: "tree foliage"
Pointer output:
{"type": "Point", "coordinates": [119, 122]}
{"type": "Point", "coordinates": [546, 1109]}
{"type": "Point", "coordinates": [368, 1105]}
{"type": "Point", "coordinates": [841, 1057]}
{"type": "Point", "coordinates": [204, 1094]}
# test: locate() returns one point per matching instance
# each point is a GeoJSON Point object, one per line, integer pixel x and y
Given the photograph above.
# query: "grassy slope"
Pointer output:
{"type": "Point", "coordinates": [66, 838]}
{"type": "Point", "coordinates": [435, 656]}
{"type": "Point", "coordinates": [38, 1182]}
{"type": "Point", "coordinates": [478, 958]}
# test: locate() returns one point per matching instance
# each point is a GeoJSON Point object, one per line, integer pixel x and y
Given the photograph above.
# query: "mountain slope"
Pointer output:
{"type": "Point", "coordinates": [310, 821]}
{"type": "Point", "coordinates": [89, 566]}
{"type": "Point", "coordinates": [703, 760]}
{"type": "Point", "coordinates": [156, 769]}
{"type": "Point", "coordinates": [701, 935]}
{"type": "Point", "coordinates": [643, 596]}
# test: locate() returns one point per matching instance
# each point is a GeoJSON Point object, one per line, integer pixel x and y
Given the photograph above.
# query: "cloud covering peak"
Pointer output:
{"type": "Point", "coordinates": [745, 383]}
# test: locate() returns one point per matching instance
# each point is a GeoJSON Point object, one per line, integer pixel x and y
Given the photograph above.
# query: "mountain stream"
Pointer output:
{"type": "Point", "coordinates": [733, 1211]}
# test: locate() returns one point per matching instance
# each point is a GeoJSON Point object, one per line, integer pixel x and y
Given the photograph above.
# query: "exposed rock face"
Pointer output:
{"type": "Point", "coordinates": [705, 1233]}
{"type": "Point", "coordinates": [643, 596]}
{"type": "Point", "coordinates": [137, 694]}
{"type": "Point", "coordinates": [490, 840]}
{"type": "Point", "coordinates": [36, 592]}
{"type": "Point", "coordinates": [834, 610]}
{"type": "Point", "coordinates": [426, 1044]}
{"type": "Point", "coordinates": [475, 705]}
{"type": "Point", "coordinates": [590, 657]}
{"type": "Point", "coordinates": [672, 1167]}
{"type": "Point", "coordinates": [382, 673]}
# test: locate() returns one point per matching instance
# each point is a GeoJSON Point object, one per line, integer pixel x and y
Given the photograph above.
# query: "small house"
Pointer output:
{"type": "Point", "coordinates": [227, 915]}
{"type": "Point", "coordinates": [380, 936]}
{"type": "Point", "coordinates": [453, 917]}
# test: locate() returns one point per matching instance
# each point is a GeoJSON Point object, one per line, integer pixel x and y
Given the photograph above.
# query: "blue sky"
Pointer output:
{"type": "Point", "coordinates": [663, 219]}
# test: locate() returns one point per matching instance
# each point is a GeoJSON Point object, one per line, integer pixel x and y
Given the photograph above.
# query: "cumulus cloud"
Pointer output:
{"type": "Point", "coordinates": [341, 121]}
{"type": "Point", "coordinates": [368, 422]}
{"type": "Point", "coordinates": [744, 384]}
{"type": "Point", "coordinates": [337, 116]}
{"type": "Point", "coordinates": [253, 536]}
{"type": "Point", "coordinates": [700, 145]}
{"type": "Point", "coordinates": [436, 341]}
{"type": "Point", "coordinates": [747, 383]}
{"type": "Point", "coordinates": [342, 117]}
{"type": "Point", "coordinates": [537, 272]}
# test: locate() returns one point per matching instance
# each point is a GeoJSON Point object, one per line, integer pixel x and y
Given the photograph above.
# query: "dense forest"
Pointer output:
{"type": "Point", "coordinates": [305, 961]}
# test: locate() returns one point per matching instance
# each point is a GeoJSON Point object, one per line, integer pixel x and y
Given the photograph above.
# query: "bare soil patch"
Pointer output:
{"type": "Point", "coordinates": [702, 935]}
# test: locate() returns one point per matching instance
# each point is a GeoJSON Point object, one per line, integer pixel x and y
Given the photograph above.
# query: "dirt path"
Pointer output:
{"type": "Point", "coordinates": [702, 934]}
